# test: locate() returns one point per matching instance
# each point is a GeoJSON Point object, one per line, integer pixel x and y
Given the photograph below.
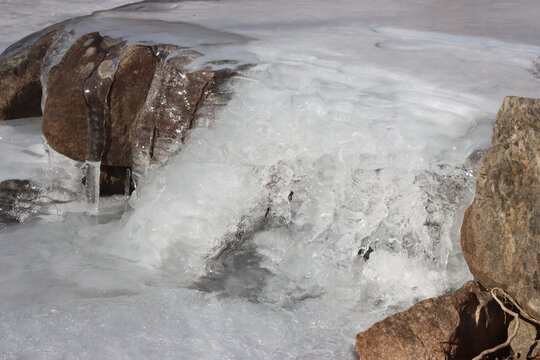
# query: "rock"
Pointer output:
{"type": "Point", "coordinates": [172, 105]}
{"type": "Point", "coordinates": [457, 326]}
{"type": "Point", "coordinates": [103, 81]}
{"type": "Point", "coordinates": [524, 343]}
{"type": "Point", "coordinates": [20, 71]}
{"type": "Point", "coordinates": [125, 106]}
{"type": "Point", "coordinates": [65, 119]}
{"type": "Point", "coordinates": [17, 198]}
{"type": "Point", "coordinates": [129, 90]}
{"type": "Point", "coordinates": [173, 101]}
{"type": "Point", "coordinates": [500, 235]}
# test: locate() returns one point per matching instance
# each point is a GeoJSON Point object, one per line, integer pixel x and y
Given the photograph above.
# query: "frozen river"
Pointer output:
{"type": "Point", "coordinates": [358, 127]}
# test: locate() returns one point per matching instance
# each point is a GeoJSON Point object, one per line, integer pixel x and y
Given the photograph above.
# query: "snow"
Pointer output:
{"type": "Point", "coordinates": [22, 18]}
{"type": "Point", "coordinates": [353, 129]}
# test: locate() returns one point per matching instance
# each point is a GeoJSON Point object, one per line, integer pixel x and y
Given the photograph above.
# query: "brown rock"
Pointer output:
{"type": "Point", "coordinates": [500, 235]}
{"type": "Point", "coordinates": [126, 106]}
{"type": "Point", "coordinates": [457, 326]}
{"type": "Point", "coordinates": [93, 98]}
{"type": "Point", "coordinates": [20, 71]}
{"type": "Point", "coordinates": [132, 81]}
{"type": "Point", "coordinates": [96, 89]}
{"type": "Point", "coordinates": [65, 119]}
{"type": "Point", "coordinates": [173, 102]}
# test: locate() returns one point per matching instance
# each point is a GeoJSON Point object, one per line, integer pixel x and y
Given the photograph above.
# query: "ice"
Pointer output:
{"type": "Point", "coordinates": [169, 324]}
{"type": "Point", "coordinates": [22, 152]}
{"type": "Point", "coordinates": [354, 129]}
{"type": "Point", "coordinates": [91, 185]}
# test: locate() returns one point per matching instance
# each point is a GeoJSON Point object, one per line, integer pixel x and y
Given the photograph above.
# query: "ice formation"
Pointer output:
{"type": "Point", "coordinates": [355, 129]}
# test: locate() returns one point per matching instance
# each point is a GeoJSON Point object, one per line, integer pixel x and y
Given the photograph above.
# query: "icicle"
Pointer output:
{"type": "Point", "coordinates": [92, 172]}
{"type": "Point", "coordinates": [127, 183]}
{"type": "Point", "coordinates": [49, 159]}
{"type": "Point", "coordinates": [127, 186]}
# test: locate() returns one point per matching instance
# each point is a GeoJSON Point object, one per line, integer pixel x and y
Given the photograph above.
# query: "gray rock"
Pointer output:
{"type": "Point", "coordinates": [17, 200]}
{"type": "Point", "coordinates": [524, 343]}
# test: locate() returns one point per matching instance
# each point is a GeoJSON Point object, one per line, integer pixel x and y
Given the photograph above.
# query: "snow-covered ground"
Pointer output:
{"type": "Point", "coordinates": [355, 127]}
{"type": "Point", "coordinates": [19, 18]}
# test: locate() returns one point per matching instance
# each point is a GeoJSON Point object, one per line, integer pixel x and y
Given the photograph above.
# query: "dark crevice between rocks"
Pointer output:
{"type": "Point", "coordinates": [113, 180]}
{"type": "Point", "coordinates": [155, 134]}
{"type": "Point", "coordinates": [480, 327]}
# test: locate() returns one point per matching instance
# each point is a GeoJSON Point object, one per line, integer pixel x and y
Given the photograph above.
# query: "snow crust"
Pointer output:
{"type": "Point", "coordinates": [356, 128]}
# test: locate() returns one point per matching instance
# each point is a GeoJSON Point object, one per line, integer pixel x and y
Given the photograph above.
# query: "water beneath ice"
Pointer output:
{"type": "Point", "coordinates": [357, 128]}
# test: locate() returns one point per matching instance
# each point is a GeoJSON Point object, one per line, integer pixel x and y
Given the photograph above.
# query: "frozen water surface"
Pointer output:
{"type": "Point", "coordinates": [339, 171]}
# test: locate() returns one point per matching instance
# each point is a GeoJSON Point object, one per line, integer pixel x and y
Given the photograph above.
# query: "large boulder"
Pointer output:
{"type": "Point", "coordinates": [93, 97]}
{"type": "Point", "coordinates": [20, 71]}
{"type": "Point", "coordinates": [457, 326]}
{"type": "Point", "coordinates": [125, 106]}
{"type": "Point", "coordinates": [500, 235]}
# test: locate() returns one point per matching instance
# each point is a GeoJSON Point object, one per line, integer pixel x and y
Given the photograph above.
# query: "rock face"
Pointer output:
{"type": "Point", "coordinates": [173, 103]}
{"type": "Point", "coordinates": [524, 343]}
{"type": "Point", "coordinates": [457, 326]}
{"type": "Point", "coordinates": [103, 81]}
{"type": "Point", "coordinates": [20, 71]}
{"type": "Point", "coordinates": [126, 106]}
{"type": "Point", "coordinates": [500, 235]}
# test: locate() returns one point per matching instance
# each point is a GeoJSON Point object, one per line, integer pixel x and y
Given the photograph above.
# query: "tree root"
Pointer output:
{"type": "Point", "coordinates": [516, 315]}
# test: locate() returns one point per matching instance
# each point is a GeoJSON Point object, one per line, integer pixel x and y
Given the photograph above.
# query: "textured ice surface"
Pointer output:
{"type": "Point", "coordinates": [22, 151]}
{"type": "Point", "coordinates": [354, 130]}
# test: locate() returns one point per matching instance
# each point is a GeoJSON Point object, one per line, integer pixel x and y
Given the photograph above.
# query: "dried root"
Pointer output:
{"type": "Point", "coordinates": [520, 312]}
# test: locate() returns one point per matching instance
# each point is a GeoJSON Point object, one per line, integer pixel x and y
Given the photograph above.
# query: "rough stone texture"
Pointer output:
{"type": "Point", "coordinates": [20, 71]}
{"type": "Point", "coordinates": [93, 98]}
{"type": "Point", "coordinates": [524, 343]}
{"type": "Point", "coordinates": [65, 119]}
{"type": "Point", "coordinates": [17, 200]}
{"type": "Point", "coordinates": [500, 235]}
{"type": "Point", "coordinates": [173, 102]}
{"type": "Point", "coordinates": [96, 89]}
{"type": "Point", "coordinates": [457, 326]}
{"type": "Point", "coordinates": [126, 106]}
{"type": "Point", "coordinates": [132, 81]}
